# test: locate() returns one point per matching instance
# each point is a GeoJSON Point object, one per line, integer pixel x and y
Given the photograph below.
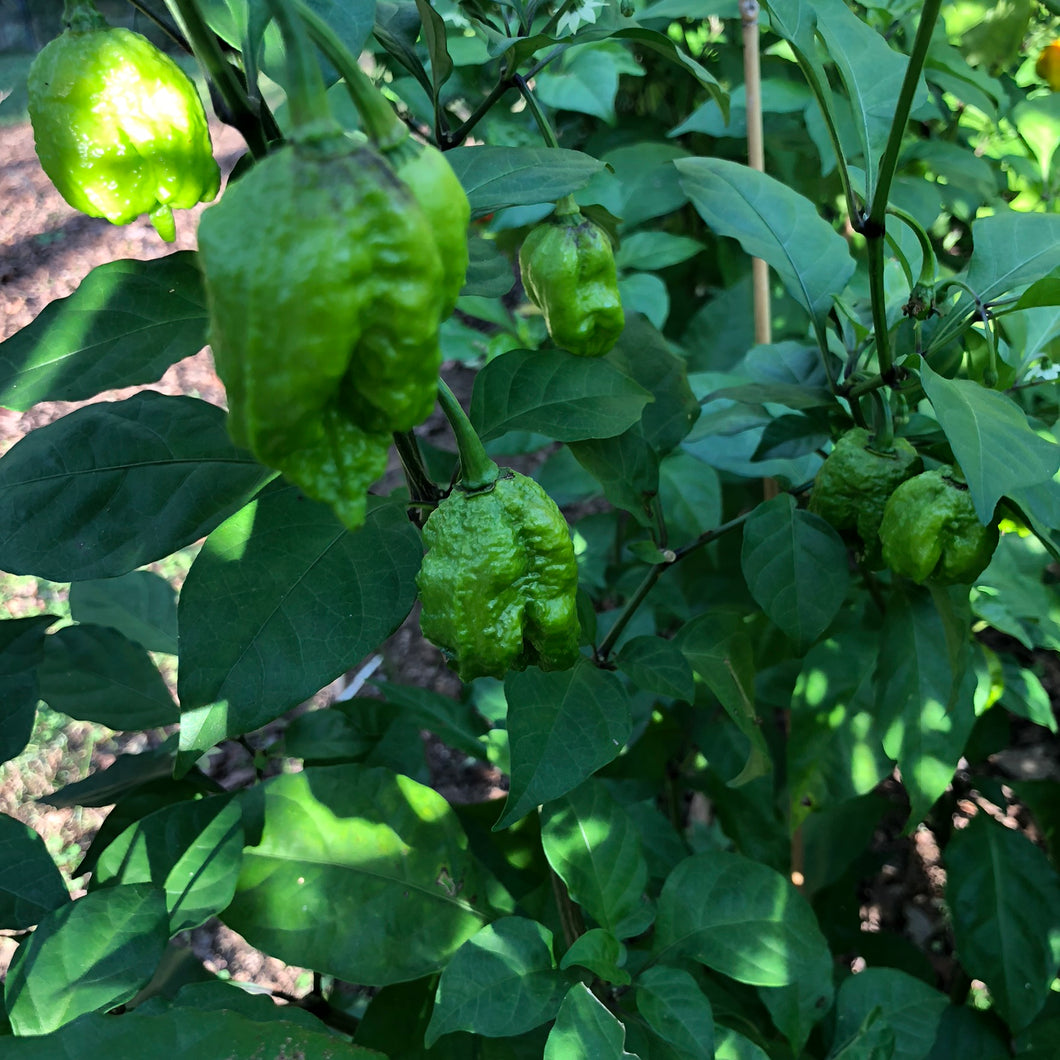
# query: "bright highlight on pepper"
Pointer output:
{"type": "Point", "coordinates": [1048, 65]}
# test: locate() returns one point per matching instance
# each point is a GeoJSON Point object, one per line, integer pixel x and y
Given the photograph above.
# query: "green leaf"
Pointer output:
{"type": "Point", "coordinates": [93, 673]}
{"type": "Point", "coordinates": [772, 222]}
{"type": "Point", "coordinates": [1024, 695]}
{"type": "Point", "coordinates": [365, 848]}
{"type": "Point", "coordinates": [127, 773]}
{"type": "Point", "coordinates": [434, 37]}
{"type": "Point", "coordinates": [911, 1008]}
{"type": "Point", "coordinates": [723, 658]}
{"type": "Point", "coordinates": [1004, 900]}
{"type": "Point", "coordinates": [594, 847]}
{"type": "Point", "coordinates": [21, 651]}
{"type": "Point", "coordinates": [176, 1033]}
{"type": "Point", "coordinates": [396, 28]}
{"type": "Point", "coordinates": [798, 1007]}
{"type": "Point", "coordinates": [190, 850]}
{"type": "Point", "coordinates": [584, 1028]}
{"type": "Point", "coordinates": [125, 325]}
{"type": "Point", "coordinates": [992, 441]}
{"type": "Point", "coordinates": [675, 1008]}
{"type": "Point", "coordinates": [141, 605]}
{"type": "Point", "coordinates": [872, 73]}
{"type": "Point", "coordinates": [498, 177]}
{"type": "Point", "coordinates": [600, 952]}
{"type": "Point", "coordinates": [119, 484]}
{"type": "Point", "coordinates": [796, 568]}
{"type": "Point", "coordinates": [281, 600]}
{"type": "Point", "coordinates": [972, 1035]}
{"type": "Point", "coordinates": [489, 271]}
{"type": "Point", "coordinates": [659, 666]}
{"type": "Point", "coordinates": [1011, 251]}
{"type": "Point", "coordinates": [455, 722]}
{"type": "Point", "coordinates": [562, 727]}
{"type": "Point", "coordinates": [550, 391]}
{"type": "Point", "coordinates": [585, 80]}
{"type": "Point", "coordinates": [738, 917]}
{"type": "Point", "coordinates": [30, 884]}
{"type": "Point", "coordinates": [502, 982]}
{"type": "Point", "coordinates": [626, 467]}
{"type": "Point", "coordinates": [731, 1045]}
{"type": "Point", "coordinates": [88, 956]}
{"type": "Point", "coordinates": [690, 494]}
{"type": "Point", "coordinates": [645, 356]}
{"type": "Point", "coordinates": [923, 694]}
{"type": "Point", "coordinates": [654, 250]}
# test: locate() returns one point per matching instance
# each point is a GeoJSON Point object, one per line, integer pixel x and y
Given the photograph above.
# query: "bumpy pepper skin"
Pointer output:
{"type": "Point", "coordinates": [499, 581]}
{"type": "Point", "coordinates": [930, 532]}
{"type": "Point", "coordinates": [120, 129]}
{"type": "Point", "coordinates": [854, 482]}
{"type": "Point", "coordinates": [441, 197]}
{"type": "Point", "coordinates": [324, 289]}
{"type": "Point", "coordinates": [568, 270]}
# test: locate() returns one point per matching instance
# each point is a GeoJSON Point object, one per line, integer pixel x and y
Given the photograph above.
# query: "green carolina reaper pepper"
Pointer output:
{"type": "Point", "coordinates": [568, 270]}
{"type": "Point", "coordinates": [119, 128]}
{"type": "Point", "coordinates": [324, 288]}
{"type": "Point", "coordinates": [856, 479]}
{"type": "Point", "coordinates": [931, 533]}
{"type": "Point", "coordinates": [499, 581]}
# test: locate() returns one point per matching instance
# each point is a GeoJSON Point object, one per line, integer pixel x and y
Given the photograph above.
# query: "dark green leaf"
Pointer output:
{"type": "Point", "coordinates": [127, 773]}
{"type": "Point", "coordinates": [21, 650]}
{"type": "Point", "coordinates": [89, 955]}
{"type": "Point", "coordinates": [992, 441]}
{"type": "Point", "coordinates": [502, 982]}
{"type": "Point", "coordinates": [190, 850]}
{"type": "Point", "coordinates": [125, 325]}
{"type": "Point", "coordinates": [593, 847]}
{"type": "Point", "coordinates": [738, 917]}
{"type": "Point", "coordinates": [93, 673]}
{"type": "Point", "coordinates": [396, 27]}
{"type": "Point", "coordinates": [434, 38]}
{"type": "Point", "coordinates": [584, 1027]}
{"type": "Point", "coordinates": [910, 1007]}
{"type": "Point", "coordinates": [677, 1010]}
{"type": "Point", "coordinates": [119, 484]}
{"type": "Point", "coordinates": [972, 1035]}
{"type": "Point", "coordinates": [554, 393]}
{"type": "Point", "coordinates": [497, 177]}
{"type": "Point", "coordinates": [600, 952]}
{"type": "Point", "coordinates": [562, 727]}
{"type": "Point", "coordinates": [364, 847]}
{"type": "Point", "coordinates": [659, 666]}
{"type": "Point", "coordinates": [923, 695]}
{"type": "Point", "coordinates": [489, 272]}
{"type": "Point", "coordinates": [281, 600]}
{"type": "Point", "coordinates": [30, 883]}
{"type": "Point", "coordinates": [772, 222]}
{"type": "Point", "coordinates": [796, 568]}
{"type": "Point", "coordinates": [1004, 900]}
{"type": "Point", "coordinates": [141, 605]}
{"type": "Point", "coordinates": [626, 467]}
{"type": "Point", "coordinates": [175, 1034]}
{"type": "Point", "coordinates": [654, 250]}
{"type": "Point", "coordinates": [454, 722]}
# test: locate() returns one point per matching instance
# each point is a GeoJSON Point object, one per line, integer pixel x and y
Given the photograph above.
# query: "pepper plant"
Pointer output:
{"type": "Point", "coordinates": [794, 623]}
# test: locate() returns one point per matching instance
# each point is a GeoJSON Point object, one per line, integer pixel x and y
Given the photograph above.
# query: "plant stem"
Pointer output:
{"type": "Point", "coordinates": [311, 116]}
{"type": "Point", "coordinates": [569, 914]}
{"type": "Point", "coordinates": [381, 124]}
{"type": "Point", "coordinates": [477, 471]}
{"type": "Point", "coordinates": [548, 134]}
{"type": "Point", "coordinates": [929, 14]}
{"type": "Point", "coordinates": [878, 296]}
{"type": "Point", "coordinates": [81, 16]}
{"type": "Point", "coordinates": [241, 112]}
{"type": "Point", "coordinates": [422, 489]}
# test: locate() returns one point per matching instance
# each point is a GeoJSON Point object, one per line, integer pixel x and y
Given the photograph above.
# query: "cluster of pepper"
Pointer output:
{"type": "Point", "coordinates": [921, 524]}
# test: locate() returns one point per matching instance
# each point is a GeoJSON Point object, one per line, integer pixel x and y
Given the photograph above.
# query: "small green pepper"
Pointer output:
{"type": "Point", "coordinates": [499, 581]}
{"type": "Point", "coordinates": [568, 270]}
{"type": "Point", "coordinates": [119, 128]}
{"type": "Point", "coordinates": [930, 531]}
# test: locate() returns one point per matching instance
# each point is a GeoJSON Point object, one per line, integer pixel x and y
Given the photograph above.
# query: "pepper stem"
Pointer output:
{"type": "Point", "coordinates": [311, 116]}
{"type": "Point", "coordinates": [384, 128]}
{"type": "Point", "coordinates": [882, 423]}
{"type": "Point", "coordinates": [82, 16]}
{"type": "Point", "coordinates": [477, 471]}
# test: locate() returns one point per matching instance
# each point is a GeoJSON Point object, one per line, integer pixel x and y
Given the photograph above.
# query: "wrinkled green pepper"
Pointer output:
{"type": "Point", "coordinates": [324, 286]}
{"type": "Point", "coordinates": [499, 580]}
{"type": "Point", "coordinates": [931, 533]}
{"type": "Point", "coordinates": [119, 128]}
{"type": "Point", "coordinates": [568, 270]}
{"type": "Point", "coordinates": [854, 482]}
